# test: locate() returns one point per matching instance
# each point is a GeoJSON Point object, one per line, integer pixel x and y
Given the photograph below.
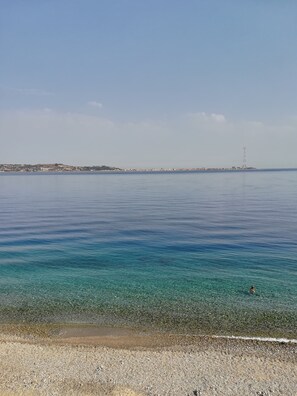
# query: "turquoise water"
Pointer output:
{"type": "Point", "coordinates": [166, 251]}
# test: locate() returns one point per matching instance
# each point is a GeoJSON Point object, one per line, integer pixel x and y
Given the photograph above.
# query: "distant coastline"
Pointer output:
{"type": "Point", "coordinates": [54, 168]}
{"type": "Point", "coordinates": [28, 168]}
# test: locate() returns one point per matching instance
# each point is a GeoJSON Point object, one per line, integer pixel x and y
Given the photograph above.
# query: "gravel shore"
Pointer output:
{"type": "Point", "coordinates": [127, 364]}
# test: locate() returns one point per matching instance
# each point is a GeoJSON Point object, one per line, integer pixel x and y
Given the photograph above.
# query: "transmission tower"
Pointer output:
{"type": "Point", "coordinates": [244, 158]}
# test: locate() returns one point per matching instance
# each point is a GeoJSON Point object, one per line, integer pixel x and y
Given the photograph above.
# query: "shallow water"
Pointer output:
{"type": "Point", "coordinates": [169, 251]}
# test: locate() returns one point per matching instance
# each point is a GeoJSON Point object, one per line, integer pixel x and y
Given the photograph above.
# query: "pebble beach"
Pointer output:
{"type": "Point", "coordinates": [94, 361]}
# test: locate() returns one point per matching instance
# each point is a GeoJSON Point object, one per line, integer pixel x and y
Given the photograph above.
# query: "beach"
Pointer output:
{"type": "Point", "coordinates": [89, 360]}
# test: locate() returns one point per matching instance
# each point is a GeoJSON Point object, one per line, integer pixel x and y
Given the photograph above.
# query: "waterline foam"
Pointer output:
{"type": "Point", "coordinates": [266, 339]}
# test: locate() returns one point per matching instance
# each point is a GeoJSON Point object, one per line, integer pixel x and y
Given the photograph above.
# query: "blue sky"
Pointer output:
{"type": "Point", "coordinates": [140, 83]}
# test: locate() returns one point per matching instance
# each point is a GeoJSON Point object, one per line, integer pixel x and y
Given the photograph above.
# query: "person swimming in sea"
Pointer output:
{"type": "Point", "coordinates": [252, 290]}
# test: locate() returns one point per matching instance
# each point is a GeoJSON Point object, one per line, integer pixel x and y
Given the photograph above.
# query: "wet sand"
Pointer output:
{"type": "Point", "coordinates": [92, 360]}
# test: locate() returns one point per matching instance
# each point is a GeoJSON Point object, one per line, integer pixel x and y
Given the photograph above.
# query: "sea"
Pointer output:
{"type": "Point", "coordinates": [170, 252]}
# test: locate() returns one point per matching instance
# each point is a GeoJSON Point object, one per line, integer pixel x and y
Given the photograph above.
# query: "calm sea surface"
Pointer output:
{"type": "Point", "coordinates": [164, 251]}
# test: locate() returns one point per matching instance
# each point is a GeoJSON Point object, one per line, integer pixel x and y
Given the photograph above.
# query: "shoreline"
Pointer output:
{"type": "Point", "coordinates": [88, 360]}
{"type": "Point", "coordinates": [85, 331]}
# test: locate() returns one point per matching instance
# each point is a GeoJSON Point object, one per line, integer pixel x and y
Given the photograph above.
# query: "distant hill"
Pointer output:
{"type": "Point", "coordinates": [54, 168]}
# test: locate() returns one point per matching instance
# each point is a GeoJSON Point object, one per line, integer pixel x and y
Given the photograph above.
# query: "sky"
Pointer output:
{"type": "Point", "coordinates": [158, 83]}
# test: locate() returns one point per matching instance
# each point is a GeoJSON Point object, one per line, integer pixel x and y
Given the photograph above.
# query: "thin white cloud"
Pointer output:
{"type": "Point", "coordinates": [202, 116]}
{"type": "Point", "coordinates": [218, 117]}
{"type": "Point", "coordinates": [95, 104]}
{"type": "Point", "coordinates": [31, 91]}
